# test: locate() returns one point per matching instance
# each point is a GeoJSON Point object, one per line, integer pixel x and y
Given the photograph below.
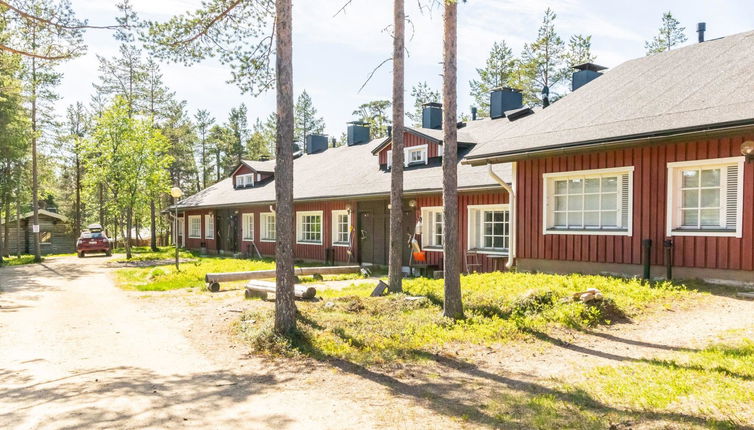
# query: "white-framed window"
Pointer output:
{"type": "Point", "coordinates": [412, 156]}
{"type": "Point", "coordinates": [705, 197]}
{"type": "Point", "coordinates": [432, 227]}
{"type": "Point", "coordinates": [195, 227]}
{"type": "Point", "coordinates": [598, 201]}
{"type": "Point", "coordinates": [209, 226]}
{"type": "Point", "coordinates": [341, 228]}
{"type": "Point", "coordinates": [309, 227]}
{"type": "Point", "coordinates": [489, 228]}
{"type": "Point", "coordinates": [415, 155]}
{"type": "Point", "coordinates": [267, 227]}
{"type": "Point", "coordinates": [247, 227]}
{"type": "Point", "coordinates": [243, 181]}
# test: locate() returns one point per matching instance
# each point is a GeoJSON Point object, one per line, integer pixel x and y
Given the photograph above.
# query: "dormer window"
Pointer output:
{"type": "Point", "coordinates": [416, 155]}
{"type": "Point", "coordinates": [244, 181]}
{"type": "Point", "coordinates": [412, 156]}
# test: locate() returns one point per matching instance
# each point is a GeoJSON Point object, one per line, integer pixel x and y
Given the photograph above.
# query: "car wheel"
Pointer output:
{"type": "Point", "coordinates": [81, 255]}
{"type": "Point", "coordinates": [109, 253]}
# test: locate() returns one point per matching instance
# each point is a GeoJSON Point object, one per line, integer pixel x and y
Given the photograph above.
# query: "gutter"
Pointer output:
{"type": "Point", "coordinates": [512, 194]}
{"type": "Point", "coordinates": [629, 140]}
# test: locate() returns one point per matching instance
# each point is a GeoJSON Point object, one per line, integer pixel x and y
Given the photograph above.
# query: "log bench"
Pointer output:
{"type": "Point", "coordinates": [262, 288]}
{"type": "Point", "coordinates": [213, 280]}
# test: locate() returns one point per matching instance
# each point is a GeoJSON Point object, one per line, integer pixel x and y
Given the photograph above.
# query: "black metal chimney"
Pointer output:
{"type": "Point", "coordinates": [473, 113]}
{"type": "Point", "coordinates": [545, 96]}
{"type": "Point", "coordinates": [700, 29]}
{"type": "Point", "coordinates": [390, 131]}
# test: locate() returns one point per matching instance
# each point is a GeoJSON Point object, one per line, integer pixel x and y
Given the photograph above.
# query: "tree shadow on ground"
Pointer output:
{"type": "Point", "coordinates": [122, 396]}
{"type": "Point", "coordinates": [452, 394]}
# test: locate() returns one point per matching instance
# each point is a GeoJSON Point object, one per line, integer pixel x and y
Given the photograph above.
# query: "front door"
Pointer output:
{"type": "Point", "coordinates": [181, 235]}
{"type": "Point", "coordinates": [373, 232]}
{"type": "Point", "coordinates": [226, 230]}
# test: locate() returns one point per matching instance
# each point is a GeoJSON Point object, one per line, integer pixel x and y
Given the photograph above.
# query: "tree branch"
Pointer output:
{"type": "Point", "coordinates": [375, 71]}
{"type": "Point", "coordinates": [343, 9]}
{"type": "Point", "coordinates": [209, 25]}
{"type": "Point", "coordinates": [55, 24]}
{"type": "Point", "coordinates": [33, 55]}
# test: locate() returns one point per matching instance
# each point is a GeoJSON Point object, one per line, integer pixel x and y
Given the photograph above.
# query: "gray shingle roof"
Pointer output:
{"type": "Point", "coordinates": [694, 87]}
{"type": "Point", "coordinates": [347, 171]}
{"type": "Point", "coordinates": [267, 166]}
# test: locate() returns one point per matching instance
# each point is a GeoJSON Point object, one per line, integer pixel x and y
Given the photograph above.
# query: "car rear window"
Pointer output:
{"type": "Point", "coordinates": [97, 235]}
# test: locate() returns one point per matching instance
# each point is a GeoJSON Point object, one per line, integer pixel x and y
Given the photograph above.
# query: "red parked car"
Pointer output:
{"type": "Point", "coordinates": [93, 240]}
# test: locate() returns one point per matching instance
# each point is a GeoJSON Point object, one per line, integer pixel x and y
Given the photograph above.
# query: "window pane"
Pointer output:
{"type": "Point", "coordinates": [574, 202]}
{"type": "Point", "coordinates": [610, 201]}
{"type": "Point", "coordinates": [710, 197]}
{"type": "Point", "coordinates": [711, 178]}
{"type": "Point", "coordinates": [560, 218]}
{"type": "Point", "coordinates": [488, 229]}
{"type": "Point", "coordinates": [575, 186]}
{"type": "Point", "coordinates": [561, 187]}
{"type": "Point", "coordinates": [691, 199]}
{"type": "Point", "coordinates": [592, 201]}
{"type": "Point", "coordinates": [488, 216]}
{"type": "Point", "coordinates": [690, 178]}
{"type": "Point", "coordinates": [592, 185]}
{"type": "Point", "coordinates": [610, 219]}
{"type": "Point", "coordinates": [591, 219]}
{"type": "Point", "coordinates": [498, 242]}
{"type": "Point", "coordinates": [498, 229]}
{"type": "Point", "coordinates": [610, 184]}
{"type": "Point", "coordinates": [499, 216]}
{"type": "Point", "coordinates": [710, 217]}
{"type": "Point", "coordinates": [574, 219]}
{"type": "Point", "coordinates": [560, 203]}
{"type": "Point", "coordinates": [691, 218]}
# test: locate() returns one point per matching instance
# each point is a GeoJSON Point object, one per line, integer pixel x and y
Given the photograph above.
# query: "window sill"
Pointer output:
{"type": "Point", "coordinates": [195, 237]}
{"type": "Point", "coordinates": [247, 239]}
{"type": "Point", "coordinates": [299, 242]}
{"type": "Point", "coordinates": [209, 238]}
{"type": "Point", "coordinates": [588, 232]}
{"type": "Point", "coordinates": [433, 249]}
{"type": "Point", "coordinates": [267, 240]}
{"type": "Point", "coordinates": [341, 244]}
{"type": "Point", "coordinates": [704, 232]}
{"type": "Point", "coordinates": [491, 252]}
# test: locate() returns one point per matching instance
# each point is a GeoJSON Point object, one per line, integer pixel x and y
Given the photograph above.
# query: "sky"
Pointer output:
{"type": "Point", "coordinates": [334, 55]}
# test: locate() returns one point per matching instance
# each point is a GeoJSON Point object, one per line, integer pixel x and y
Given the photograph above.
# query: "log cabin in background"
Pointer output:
{"type": "Point", "coordinates": [641, 168]}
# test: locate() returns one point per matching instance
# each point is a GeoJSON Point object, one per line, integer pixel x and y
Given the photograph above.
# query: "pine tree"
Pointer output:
{"type": "Point", "coordinates": [375, 113]}
{"type": "Point", "coordinates": [238, 124]}
{"type": "Point", "coordinates": [543, 61]}
{"type": "Point", "coordinates": [579, 50]}
{"type": "Point", "coordinates": [422, 93]}
{"type": "Point", "coordinates": [306, 120]}
{"type": "Point", "coordinates": [670, 35]}
{"type": "Point", "coordinates": [497, 72]}
{"type": "Point", "coordinates": [203, 121]}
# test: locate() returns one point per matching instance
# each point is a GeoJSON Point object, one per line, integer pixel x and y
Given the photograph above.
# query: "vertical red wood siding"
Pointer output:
{"type": "Point", "coordinates": [649, 209]}
{"type": "Point", "coordinates": [464, 201]}
{"type": "Point", "coordinates": [197, 243]}
{"type": "Point", "coordinates": [410, 139]}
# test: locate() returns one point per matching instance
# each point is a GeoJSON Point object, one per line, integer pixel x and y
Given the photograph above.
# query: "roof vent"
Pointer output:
{"type": "Point", "coordinates": [504, 99]}
{"type": "Point", "coordinates": [358, 132]}
{"type": "Point", "coordinates": [584, 74]}
{"type": "Point", "coordinates": [315, 143]}
{"type": "Point", "coordinates": [515, 114]}
{"type": "Point", "coordinates": [432, 116]}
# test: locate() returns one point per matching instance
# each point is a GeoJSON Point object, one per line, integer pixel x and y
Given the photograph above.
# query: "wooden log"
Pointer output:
{"type": "Point", "coordinates": [263, 274]}
{"type": "Point", "coordinates": [213, 287]}
{"type": "Point", "coordinates": [300, 291]}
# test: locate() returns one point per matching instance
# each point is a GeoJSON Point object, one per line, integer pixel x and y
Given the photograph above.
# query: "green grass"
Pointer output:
{"type": "Point", "coordinates": [163, 278]}
{"type": "Point", "coordinates": [709, 388]}
{"type": "Point", "coordinates": [144, 253]}
{"type": "Point", "coordinates": [13, 261]}
{"type": "Point", "coordinates": [500, 307]}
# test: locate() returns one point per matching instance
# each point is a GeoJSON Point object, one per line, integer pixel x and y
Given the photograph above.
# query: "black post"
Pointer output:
{"type": "Point", "coordinates": [647, 246]}
{"type": "Point", "coordinates": [668, 259]}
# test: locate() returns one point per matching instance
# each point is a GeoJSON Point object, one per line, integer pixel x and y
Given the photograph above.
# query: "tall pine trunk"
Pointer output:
{"type": "Point", "coordinates": [6, 227]}
{"type": "Point", "coordinates": [34, 176]}
{"type": "Point", "coordinates": [395, 272]}
{"type": "Point", "coordinates": [77, 227]}
{"type": "Point", "coordinates": [285, 307]}
{"type": "Point", "coordinates": [129, 224]}
{"type": "Point", "coordinates": [453, 307]}
{"type": "Point", "coordinates": [18, 220]}
{"type": "Point", "coordinates": [153, 226]}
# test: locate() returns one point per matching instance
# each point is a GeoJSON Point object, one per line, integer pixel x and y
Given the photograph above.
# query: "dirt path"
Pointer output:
{"type": "Point", "coordinates": [77, 352]}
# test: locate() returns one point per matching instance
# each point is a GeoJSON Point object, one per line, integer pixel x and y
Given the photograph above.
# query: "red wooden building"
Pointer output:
{"type": "Point", "coordinates": [652, 154]}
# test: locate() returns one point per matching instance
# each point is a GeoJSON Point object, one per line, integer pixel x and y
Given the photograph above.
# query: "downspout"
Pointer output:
{"type": "Point", "coordinates": [512, 195]}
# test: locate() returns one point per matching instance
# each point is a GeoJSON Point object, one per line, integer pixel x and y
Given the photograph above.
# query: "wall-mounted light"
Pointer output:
{"type": "Point", "coordinates": [389, 206]}
{"type": "Point", "coordinates": [348, 207]}
{"type": "Point", "coordinates": [747, 149]}
{"type": "Point", "coordinates": [412, 203]}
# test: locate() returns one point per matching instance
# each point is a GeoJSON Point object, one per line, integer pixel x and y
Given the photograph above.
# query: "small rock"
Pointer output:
{"type": "Point", "coordinates": [329, 305]}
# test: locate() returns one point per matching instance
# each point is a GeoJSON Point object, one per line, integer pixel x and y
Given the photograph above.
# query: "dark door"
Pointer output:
{"type": "Point", "coordinates": [227, 231]}
{"type": "Point", "coordinates": [409, 224]}
{"type": "Point", "coordinates": [373, 232]}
